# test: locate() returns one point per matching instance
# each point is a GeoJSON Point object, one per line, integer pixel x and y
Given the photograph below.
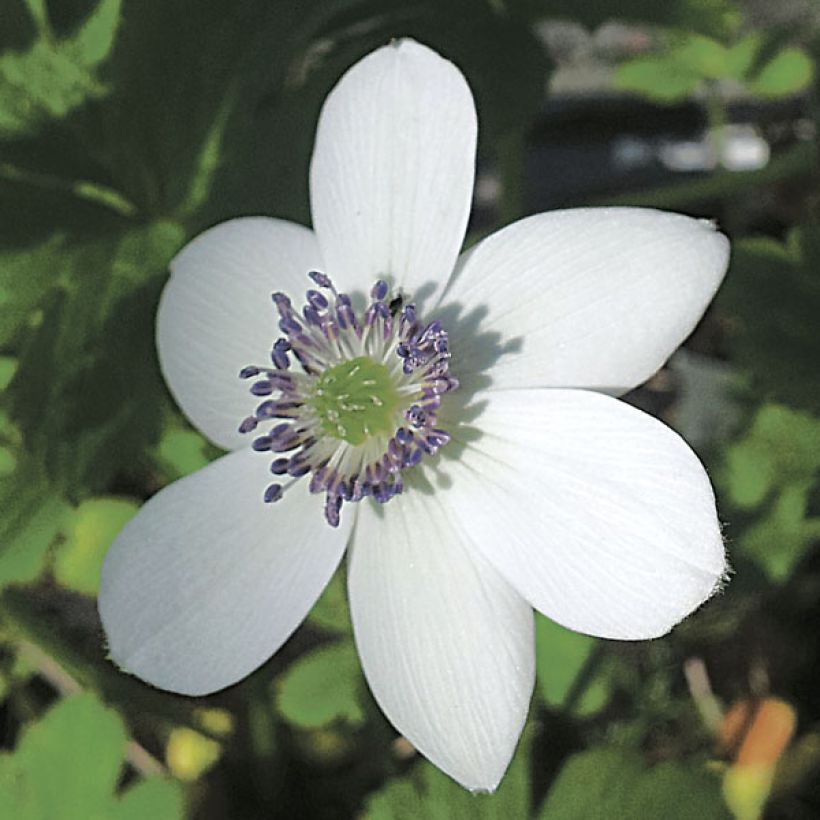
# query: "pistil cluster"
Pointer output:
{"type": "Point", "coordinates": [350, 399]}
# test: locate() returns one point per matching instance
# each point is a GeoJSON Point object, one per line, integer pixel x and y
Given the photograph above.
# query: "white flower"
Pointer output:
{"type": "Point", "coordinates": [550, 493]}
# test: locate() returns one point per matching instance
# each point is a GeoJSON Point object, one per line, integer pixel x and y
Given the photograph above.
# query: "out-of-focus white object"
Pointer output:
{"type": "Point", "coordinates": [735, 147]}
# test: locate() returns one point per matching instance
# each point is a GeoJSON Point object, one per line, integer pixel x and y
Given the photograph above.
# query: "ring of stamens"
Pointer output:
{"type": "Point", "coordinates": [362, 405]}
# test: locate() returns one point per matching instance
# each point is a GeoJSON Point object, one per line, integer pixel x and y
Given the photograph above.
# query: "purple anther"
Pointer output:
{"type": "Point", "coordinates": [317, 481]}
{"type": "Point", "coordinates": [279, 466]}
{"type": "Point", "coordinates": [262, 444]}
{"type": "Point", "coordinates": [431, 331]}
{"type": "Point", "coordinates": [289, 325]}
{"type": "Point", "coordinates": [312, 316]}
{"type": "Point", "coordinates": [442, 345]}
{"type": "Point", "coordinates": [266, 410]}
{"type": "Point", "coordinates": [273, 493]}
{"type": "Point", "coordinates": [394, 449]}
{"type": "Point", "coordinates": [280, 359]}
{"type": "Point", "coordinates": [320, 279]}
{"type": "Point", "coordinates": [379, 291]}
{"type": "Point", "coordinates": [333, 506]}
{"type": "Point", "coordinates": [404, 435]}
{"type": "Point", "coordinates": [416, 416]}
{"type": "Point", "coordinates": [382, 310]}
{"type": "Point", "coordinates": [248, 425]}
{"type": "Point", "coordinates": [438, 437]}
{"type": "Point", "coordinates": [248, 372]}
{"type": "Point", "coordinates": [298, 468]}
{"type": "Point", "coordinates": [413, 457]}
{"type": "Point", "coordinates": [403, 350]}
{"type": "Point", "coordinates": [263, 388]}
{"type": "Point", "coordinates": [282, 345]}
{"type": "Point", "coordinates": [345, 490]}
{"type": "Point", "coordinates": [282, 302]}
{"type": "Point", "coordinates": [281, 381]}
{"type": "Point", "coordinates": [345, 316]}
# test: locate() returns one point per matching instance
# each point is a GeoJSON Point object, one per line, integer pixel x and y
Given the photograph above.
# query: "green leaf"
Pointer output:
{"type": "Point", "coordinates": [322, 687]}
{"type": "Point", "coordinates": [771, 472]}
{"type": "Point", "coordinates": [68, 763]}
{"type": "Point", "coordinates": [740, 58]}
{"type": "Point", "coordinates": [605, 783]}
{"type": "Point", "coordinates": [560, 655]}
{"type": "Point", "coordinates": [88, 396]}
{"type": "Point", "coordinates": [89, 531]}
{"type": "Point", "coordinates": [32, 517]}
{"type": "Point", "coordinates": [67, 766]}
{"type": "Point", "coordinates": [95, 39]}
{"type": "Point", "coordinates": [781, 447]}
{"type": "Point", "coordinates": [702, 56]}
{"type": "Point", "coordinates": [331, 612]}
{"type": "Point", "coordinates": [53, 78]}
{"type": "Point", "coordinates": [156, 799]}
{"type": "Point", "coordinates": [780, 539]}
{"type": "Point", "coordinates": [428, 793]}
{"type": "Point", "coordinates": [181, 452]}
{"type": "Point", "coordinates": [771, 298]}
{"type": "Point", "coordinates": [661, 79]}
{"type": "Point", "coordinates": [24, 276]}
{"type": "Point", "coordinates": [789, 72]}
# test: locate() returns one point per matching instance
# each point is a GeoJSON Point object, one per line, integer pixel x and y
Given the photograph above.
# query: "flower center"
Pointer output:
{"type": "Point", "coordinates": [362, 405]}
{"type": "Point", "coordinates": [355, 400]}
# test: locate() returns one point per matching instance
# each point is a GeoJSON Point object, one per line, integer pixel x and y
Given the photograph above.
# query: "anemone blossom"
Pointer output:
{"type": "Point", "coordinates": [448, 419]}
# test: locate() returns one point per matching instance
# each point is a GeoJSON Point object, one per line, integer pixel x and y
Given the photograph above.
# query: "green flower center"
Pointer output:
{"type": "Point", "coordinates": [356, 400]}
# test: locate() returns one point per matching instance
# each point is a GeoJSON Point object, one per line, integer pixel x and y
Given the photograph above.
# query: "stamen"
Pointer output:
{"type": "Point", "coordinates": [354, 399]}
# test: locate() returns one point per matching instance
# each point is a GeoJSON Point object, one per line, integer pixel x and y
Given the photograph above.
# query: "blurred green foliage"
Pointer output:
{"type": "Point", "coordinates": [67, 765]}
{"type": "Point", "coordinates": [125, 128]}
{"type": "Point", "coordinates": [610, 782]}
{"type": "Point", "coordinates": [692, 60]}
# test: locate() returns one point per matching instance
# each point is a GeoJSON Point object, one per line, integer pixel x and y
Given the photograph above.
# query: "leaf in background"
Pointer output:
{"type": "Point", "coordinates": [660, 79]}
{"type": "Point", "coordinates": [771, 299]}
{"type": "Point", "coordinates": [331, 611]}
{"type": "Point", "coordinates": [789, 72]}
{"type": "Point", "coordinates": [771, 472]}
{"type": "Point", "coordinates": [181, 452]}
{"type": "Point", "coordinates": [322, 687]}
{"type": "Point", "coordinates": [701, 55]}
{"type": "Point", "coordinates": [428, 793]}
{"type": "Point", "coordinates": [88, 396]}
{"type": "Point", "coordinates": [24, 277]}
{"type": "Point", "coordinates": [741, 57]}
{"type": "Point", "coordinates": [31, 519]}
{"type": "Point", "coordinates": [89, 530]}
{"type": "Point", "coordinates": [154, 799]}
{"type": "Point", "coordinates": [66, 767]}
{"type": "Point", "coordinates": [606, 783]}
{"type": "Point", "coordinates": [560, 655]}
{"type": "Point", "coordinates": [52, 78]}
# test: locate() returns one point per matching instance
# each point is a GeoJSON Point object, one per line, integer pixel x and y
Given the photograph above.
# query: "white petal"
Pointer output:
{"type": "Point", "coordinates": [216, 316]}
{"type": "Point", "coordinates": [598, 514]}
{"type": "Point", "coordinates": [392, 173]}
{"type": "Point", "coordinates": [208, 581]}
{"type": "Point", "coordinates": [446, 645]}
{"type": "Point", "coordinates": [590, 297]}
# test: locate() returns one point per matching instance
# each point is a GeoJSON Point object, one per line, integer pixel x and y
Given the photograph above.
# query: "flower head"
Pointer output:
{"type": "Point", "coordinates": [448, 419]}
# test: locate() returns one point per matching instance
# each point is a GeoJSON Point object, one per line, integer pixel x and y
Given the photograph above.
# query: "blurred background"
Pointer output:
{"type": "Point", "coordinates": [127, 126]}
